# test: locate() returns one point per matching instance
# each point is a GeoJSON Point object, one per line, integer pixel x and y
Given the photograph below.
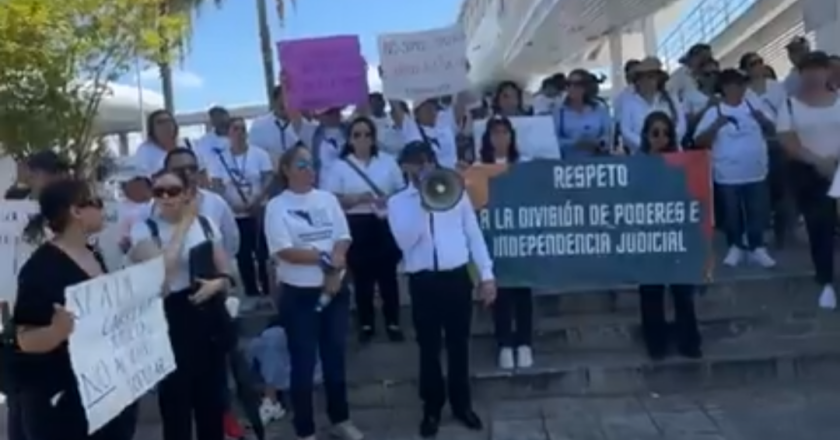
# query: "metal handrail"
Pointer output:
{"type": "Point", "coordinates": [702, 24]}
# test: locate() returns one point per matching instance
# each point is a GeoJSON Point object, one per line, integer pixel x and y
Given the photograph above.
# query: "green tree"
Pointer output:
{"type": "Point", "coordinates": [57, 60]}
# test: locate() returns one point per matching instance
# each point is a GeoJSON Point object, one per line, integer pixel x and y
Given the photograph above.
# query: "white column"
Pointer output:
{"type": "Point", "coordinates": [614, 41]}
{"type": "Point", "coordinates": [123, 143]}
{"type": "Point", "coordinates": [827, 36]}
{"type": "Point", "coordinates": [649, 36]}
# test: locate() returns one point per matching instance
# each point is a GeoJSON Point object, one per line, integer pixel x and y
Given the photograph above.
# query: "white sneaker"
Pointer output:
{"type": "Point", "coordinates": [761, 257]}
{"type": "Point", "coordinates": [734, 256]}
{"type": "Point", "coordinates": [828, 299]}
{"type": "Point", "coordinates": [506, 361]}
{"type": "Point", "coordinates": [346, 431]}
{"type": "Point", "coordinates": [271, 411]}
{"type": "Point", "coordinates": [524, 357]}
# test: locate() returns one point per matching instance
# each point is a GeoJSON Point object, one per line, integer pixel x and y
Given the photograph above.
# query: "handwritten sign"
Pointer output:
{"type": "Point", "coordinates": [535, 136]}
{"type": "Point", "coordinates": [422, 65]}
{"type": "Point", "coordinates": [575, 225]}
{"type": "Point", "coordinates": [321, 73]}
{"type": "Point", "coordinates": [120, 346]}
{"type": "Point", "coordinates": [14, 250]}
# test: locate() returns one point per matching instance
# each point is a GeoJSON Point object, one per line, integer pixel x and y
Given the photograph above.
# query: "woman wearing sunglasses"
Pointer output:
{"type": "Point", "coordinates": [308, 236]}
{"type": "Point", "coordinates": [659, 136]}
{"type": "Point", "coordinates": [193, 304]}
{"type": "Point", "coordinates": [363, 178]}
{"type": "Point", "coordinates": [583, 123]}
{"type": "Point", "coordinates": [46, 389]}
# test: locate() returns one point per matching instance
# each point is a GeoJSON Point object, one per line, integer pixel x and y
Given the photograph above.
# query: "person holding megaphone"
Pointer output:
{"type": "Point", "coordinates": [436, 229]}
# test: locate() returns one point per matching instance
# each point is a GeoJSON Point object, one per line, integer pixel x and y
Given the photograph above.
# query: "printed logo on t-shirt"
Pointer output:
{"type": "Point", "coordinates": [318, 224]}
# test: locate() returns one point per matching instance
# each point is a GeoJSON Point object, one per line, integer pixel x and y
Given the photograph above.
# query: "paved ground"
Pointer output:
{"type": "Point", "coordinates": [787, 413]}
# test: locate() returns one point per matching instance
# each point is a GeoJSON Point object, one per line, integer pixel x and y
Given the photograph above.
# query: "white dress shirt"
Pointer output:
{"type": "Point", "coordinates": [382, 170]}
{"type": "Point", "coordinates": [150, 157]}
{"type": "Point", "coordinates": [303, 221]}
{"type": "Point", "coordinates": [272, 135]}
{"type": "Point", "coordinates": [211, 142]}
{"type": "Point", "coordinates": [389, 137]}
{"type": "Point", "coordinates": [449, 237]}
{"type": "Point", "coordinates": [242, 172]}
{"type": "Point", "coordinates": [634, 111]}
{"type": "Point", "coordinates": [441, 136]}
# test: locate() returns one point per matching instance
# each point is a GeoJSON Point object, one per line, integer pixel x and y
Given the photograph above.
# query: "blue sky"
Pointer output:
{"type": "Point", "coordinates": [224, 63]}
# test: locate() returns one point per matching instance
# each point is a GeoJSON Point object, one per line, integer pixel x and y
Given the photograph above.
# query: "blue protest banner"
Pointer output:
{"type": "Point", "coordinates": [597, 223]}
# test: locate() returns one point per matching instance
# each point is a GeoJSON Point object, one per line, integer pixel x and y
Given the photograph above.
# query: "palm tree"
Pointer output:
{"type": "Point", "coordinates": [266, 46]}
{"type": "Point", "coordinates": [189, 8]}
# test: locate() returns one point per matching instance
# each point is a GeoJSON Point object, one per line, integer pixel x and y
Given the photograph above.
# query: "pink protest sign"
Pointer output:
{"type": "Point", "coordinates": [320, 73]}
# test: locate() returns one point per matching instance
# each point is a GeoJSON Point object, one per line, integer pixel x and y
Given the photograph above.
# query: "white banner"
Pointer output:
{"type": "Point", "coordinates": [535, 137]}
{"type": "Point", "coordinates": [422, 65]}
{"type": "Point", "coordinates": [120, 346]}
{"type": "Point", "coordinates": [14, 251]}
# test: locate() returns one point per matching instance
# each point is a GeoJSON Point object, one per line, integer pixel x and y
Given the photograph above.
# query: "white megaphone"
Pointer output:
{"type": "Point", "coordinates": [441, 189]}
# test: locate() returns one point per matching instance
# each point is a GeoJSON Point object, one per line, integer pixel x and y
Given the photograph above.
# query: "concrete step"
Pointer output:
{"type": "Point", "coordinates": [383, 375]}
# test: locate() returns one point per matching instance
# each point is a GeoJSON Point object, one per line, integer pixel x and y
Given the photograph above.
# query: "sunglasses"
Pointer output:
{"type": "Point", "coordinates": [302, 164]}
{"type": "Point", "coordinates": [92, 203]}
{"type": "Point", "coordinates": [167, 192]}
{"type": "Point", "coordinates": [191, 168]}
{"type": "Point", "coordinates": [362, 135]}
{"type": "Point", "coordinates": [576, 83]}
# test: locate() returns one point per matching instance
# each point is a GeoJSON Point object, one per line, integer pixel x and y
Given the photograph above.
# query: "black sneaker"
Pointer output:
{"type": "Point", "coordinates": [429, 425]}
{"type": "Point", "coordinates": [395, 333]}
{"type": "Point", "coordinates": [366, 334]}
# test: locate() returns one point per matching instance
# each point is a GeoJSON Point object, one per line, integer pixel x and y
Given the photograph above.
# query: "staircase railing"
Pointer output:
{"type": "Point", "coordinates": [702, 24]}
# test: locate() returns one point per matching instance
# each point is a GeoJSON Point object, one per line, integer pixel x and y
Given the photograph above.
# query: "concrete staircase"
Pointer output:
{"type": "Point", "coordinates": [758, 326]}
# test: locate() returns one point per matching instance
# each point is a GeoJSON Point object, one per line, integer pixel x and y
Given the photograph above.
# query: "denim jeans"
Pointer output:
{"type": "Point", "coordinates": [269, 354]}
{"type": "Point", "coordinates": [309, 333]}
{"type": "Point", "coordinates": [746, 211]}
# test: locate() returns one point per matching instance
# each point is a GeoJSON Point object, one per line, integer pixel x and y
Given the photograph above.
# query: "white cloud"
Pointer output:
{"type": "Point", "coordinates": [181, 78]}
{"type": "Point", "coordinates": [373, 79]}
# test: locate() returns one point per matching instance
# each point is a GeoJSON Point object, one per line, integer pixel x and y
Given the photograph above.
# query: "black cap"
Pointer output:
{"type": "Point", "coordinates": [417, 152]}
{"type": "Point", "coordinates": [47, 161]}
{"type": "Point", "coordinates": [731, 76]}
{"type": "Point", "coordinates": [695, 50]}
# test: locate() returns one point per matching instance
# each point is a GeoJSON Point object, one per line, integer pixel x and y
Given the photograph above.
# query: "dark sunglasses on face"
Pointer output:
{"type": "Point", "coordinates": [302, 164]}
{"type": "Point", "coordinates": [362, 135]}
{"type": "Point", "coordinates": [189, 168]}
{"type": "Point", "coordinates": [576, 83]}
{"type": "Point", "coordinates": [166, 192]}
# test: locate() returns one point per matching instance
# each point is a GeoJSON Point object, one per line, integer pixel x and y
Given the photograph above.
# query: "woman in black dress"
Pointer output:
{"type": "Point", "coordinates": [48, 392]}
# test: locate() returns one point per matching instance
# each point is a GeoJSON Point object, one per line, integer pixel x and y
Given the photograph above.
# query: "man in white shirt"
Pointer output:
{"type": "Point", "coordinates": [217, 137]}
{"type": "Point", "coordinates": [274, 132]}
{"type": "Point", "coordinates": [426, 127]}
{"type": "Point", "coordinates": [437, 248]}
{"type": "Point", "coordinates": [797, 48]}
{"type": "Point", "coordinates": [683, 79]}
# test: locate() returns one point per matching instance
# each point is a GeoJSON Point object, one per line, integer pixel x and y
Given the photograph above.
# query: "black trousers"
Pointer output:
{"type": "Point", "coordinates": [513, 317]}
{"type": "Point", "coordinates": [252, 258]}
{"type": "Point", "coordinates": [442, 313]}
{"type": "Point", "coordinates": [781, 200]}
{"type": "Point", "coordinates": [45, 418]}
{"type": "Point", "coordinates": [372, 259]}
{"type": "Point", "coordinates": [820, 213]}
{"type": "Point", "coordinates": [655, 329]}
{"type": "Point", "coordinates": [195, 391]}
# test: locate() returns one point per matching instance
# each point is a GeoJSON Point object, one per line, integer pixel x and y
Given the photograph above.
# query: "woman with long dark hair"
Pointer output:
{"type": "Point", "coordinates": [514, 307]}
{"type": "Point", "coordinates": [659, 136]}
{"type": "Point", "coordinates": [161, 138]}
{"type": "Point", "coordinates": [583, 122]}
{"type": "Point", "coordinates": [363, 178]}
{"type": "Point", "coordinates": [308, 236]}
{"type": "Point", "coordinates": [47, 391]}
{"type": "Point", "coordinates": [508, 100]}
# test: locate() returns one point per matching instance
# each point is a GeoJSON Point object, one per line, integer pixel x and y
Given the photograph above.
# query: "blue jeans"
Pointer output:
{"type": "Point", "coordinates": [268, 353]}
{"type": "Point", "coordinates": [310, 333]}
{"type": "Point", "coordinates": [746, 211]}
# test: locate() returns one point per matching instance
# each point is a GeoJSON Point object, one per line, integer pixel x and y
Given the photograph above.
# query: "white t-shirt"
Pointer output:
{"type": "Point", "coordinates": [149, 157]}
{"type": "Point", "coordinates": [195, 235]}
{"type": "Point", "coordinates": [243, 170]}
{"type": "Point", "coordinates": [390, 137]}
{"type": "Point", "coordinates": [382, 170]}
{"type": "Point", "coordinates": [272, 135]}
{"type": "Point", "coordinates": [773, 98]}
{"type": "Point", "coordinates": [739, 151]}
{"type": "Point", "coordinates": [634, 111]}
{"type": "Point", "coordinates": [306, 221]}
{"type": "Point", "coordinates": [818, 128]}
{"type": "Point", "coordinates": [441, 136]}
{"type": "Point", "coordinates": [695, 101]}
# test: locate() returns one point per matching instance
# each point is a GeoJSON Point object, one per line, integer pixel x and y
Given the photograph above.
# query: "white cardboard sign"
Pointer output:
{"type": "Point", "coordinates": [535, 136]}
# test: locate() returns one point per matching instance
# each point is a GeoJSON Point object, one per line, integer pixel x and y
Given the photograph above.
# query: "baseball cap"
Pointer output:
{"type": "Point", "coordinates": [47, 161]}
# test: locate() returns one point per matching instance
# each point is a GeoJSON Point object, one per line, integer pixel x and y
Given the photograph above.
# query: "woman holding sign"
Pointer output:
{"type": "Point", "coordinates": [199, 329]}
{"type": "Point", "coordinates": [49, 396]}
{"type": "Point", "coordinates": [513, 309]}
{"type": "Point", "coordinates": [659, 136]}
{"type": "Point", "coordinates": [363, 179]}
